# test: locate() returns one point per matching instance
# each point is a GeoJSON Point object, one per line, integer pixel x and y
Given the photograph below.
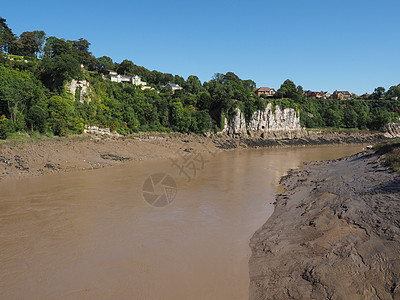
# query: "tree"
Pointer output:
{"type": "Point", "coordinates": [379, 118]}
{"type": "Point", "coordinates": [105, 63]}
{"type": "Point", "coordinates": [62, 116]}
{"type": "Point", "coordinates": [378, 93]}
{"type": "Point", "coordinates": [80, 50]}
{"type": "Point", "coordinates": [40, 37]}
{"type": "Point", "coordinates": [288, 90]}
{"type": "Point", "coordinates": [350, 117]}
{"type": "Point", "coordinates": [54, 71]}
{"type": "Point", "coordinates": [7, 37]}
{"type": "Point", "coordinates": [193, 85]}
{"type": "Point", "coordinates": [55, 46]}
{"type": "Point", "coordinates": [180, 117]}
{"type": "Point", "coordinates": [393, 92]}
{"type": "Point", "coordinates": [126, 67]}
{"type": "Point", "coordinates": [26, 45]}
{"type": "Point", "coordinates": [19, 92]}
{"type": "Point", "coordinates": [300, 89]}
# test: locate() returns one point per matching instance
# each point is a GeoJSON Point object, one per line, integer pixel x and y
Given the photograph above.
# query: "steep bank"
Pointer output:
{"type": "Point", "coordinates": [264, 122]}
{"type": "Point", "coordinates": [334, 234]}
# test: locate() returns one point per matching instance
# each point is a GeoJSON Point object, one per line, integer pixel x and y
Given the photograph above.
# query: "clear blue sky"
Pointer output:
{"type": "Point", "coordinates": [321, 45]}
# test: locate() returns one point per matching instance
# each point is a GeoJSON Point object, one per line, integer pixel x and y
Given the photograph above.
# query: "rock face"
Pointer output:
{"type": "Point", "coordinates": [99, 131]}
{"type": "Point", "coordinates": [264, 122]}
{"type": "Point", "coordinates": [83, 88]}
{"type": "Point", "coordinates": [392, 130]}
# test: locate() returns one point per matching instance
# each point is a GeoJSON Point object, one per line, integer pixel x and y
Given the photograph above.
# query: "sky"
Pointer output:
{"type": "Point", "coordinates": [321, 45]}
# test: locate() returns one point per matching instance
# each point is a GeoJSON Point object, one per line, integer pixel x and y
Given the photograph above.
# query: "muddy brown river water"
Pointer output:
{"type": "Point", "coordinates": [90, 235]}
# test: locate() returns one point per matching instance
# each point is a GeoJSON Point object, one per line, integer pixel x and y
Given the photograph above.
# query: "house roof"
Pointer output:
{"type": "Point", "coordinates": [264, 89]}
{"type": "Point", "coordinates": [172, 85]}
{"type": "Point", "coordinates": [343, 92]}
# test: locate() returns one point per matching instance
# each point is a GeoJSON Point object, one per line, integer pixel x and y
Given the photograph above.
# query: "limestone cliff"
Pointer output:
{"type": "Point", "coordinates": [392, 130]}
{"type": "Point", "coordinates": [80, 89]}
{"type": "Point", "coordinates": [264, 122]}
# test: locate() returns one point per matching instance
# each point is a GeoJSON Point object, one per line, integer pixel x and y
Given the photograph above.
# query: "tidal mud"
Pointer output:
{"type": "Point", "coordinates": [334, 234]}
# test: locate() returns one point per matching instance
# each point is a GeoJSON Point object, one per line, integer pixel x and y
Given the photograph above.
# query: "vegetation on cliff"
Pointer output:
{"type": "Point", "coordinates": [34, 70]}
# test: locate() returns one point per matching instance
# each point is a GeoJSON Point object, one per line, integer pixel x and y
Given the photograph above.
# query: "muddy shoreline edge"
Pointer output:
{"type": "Point", "coordinates": [334, 234]}
{"type": "Point", "coordinates": [86, 151]}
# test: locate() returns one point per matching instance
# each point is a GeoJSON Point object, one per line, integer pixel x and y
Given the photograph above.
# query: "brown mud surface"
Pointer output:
{"type": "Point", "coordinates": [334, 234]}
{"type": "Point", "coordinates": [85, 152]}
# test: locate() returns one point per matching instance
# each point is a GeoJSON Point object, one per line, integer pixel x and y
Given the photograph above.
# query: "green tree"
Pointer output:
{"type": "Point", "coordinates": [288, 90]}
{"type": "Point", "coordinates": [7, 37]}
{"type": "Point", "coordinates": [379, 118]}
{"type": "Point", "coordinates": [55, 46]}
{"type": "Point", "coordinates": [393, 92]}
{"type": "Point", "coordinates": [105, 63]}
{"type": "Point", "coordinates": [26, 45]}
{"type": "Point", "coordinates": [193, 85]}
{"type": "Point", "coordinates": [378, 93]}
{"type": "Point", "coordinates": [54, 71]}
{"type": "Point", "coordinates": [40, 38]}
{"type": "Point", "coordinates": [19, 91]}
{"type": "Point", "coordinates": [180, 117]}
{"type": "Point", "coordinates": [62, 117]}
{"type": "Point", "coordinates": [126, 67]}
{"type": "Point", "coordinates": [350, 117]}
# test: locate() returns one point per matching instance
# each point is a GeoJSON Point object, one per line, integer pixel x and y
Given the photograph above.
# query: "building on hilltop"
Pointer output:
{"type": "Point", "coordinates": [265, 91]}
{"type": "Point", "coordinates": [172, 86]}
{"type": "Point", "coordinates": [135, 79]}
{"type": "Point", "coordinates": [317, 95]}
{"type": "Point", "coordinates": [365, 96]}
{"type": "Point", "coordinates": [341, 95]}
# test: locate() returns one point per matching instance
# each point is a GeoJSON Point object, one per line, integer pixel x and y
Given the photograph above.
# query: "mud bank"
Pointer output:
{"type": "Point", "coordinates": [300, 138]}
{"type": "Point", "coordinates": [85, 152]}
{"type": "Point", "coordinates": [334, 234]}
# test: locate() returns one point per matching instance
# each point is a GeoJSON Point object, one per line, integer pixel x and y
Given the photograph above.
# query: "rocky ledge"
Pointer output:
{"type": "Point", "coordinates": [335, 234]}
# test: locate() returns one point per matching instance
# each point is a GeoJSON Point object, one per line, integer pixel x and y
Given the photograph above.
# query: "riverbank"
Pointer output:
{"type": "Point", "coordinates": [33, 157]}
{"type": "Point", "coordinates": [334, 234]}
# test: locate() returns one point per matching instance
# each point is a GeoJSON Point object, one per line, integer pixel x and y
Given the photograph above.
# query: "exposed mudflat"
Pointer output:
{"type": "Point", "coordinates": [334, 234]}
{"type": "Point", "coordinates": [85, 152]}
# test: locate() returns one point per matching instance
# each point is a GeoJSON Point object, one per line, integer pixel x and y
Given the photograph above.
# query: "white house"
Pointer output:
{"type": "Point", "coordinates": [172, 86]}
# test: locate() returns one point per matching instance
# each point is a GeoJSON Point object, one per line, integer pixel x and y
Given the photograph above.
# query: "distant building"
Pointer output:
{"type": "Point", "coordinates": [317, 95]}
{"type": "Point", "coordinates": [109, 72]}
{"type": "Point", "coordinates": [265, 91]}
{"type": "Point", "coordinates": [341, 95]}
{"type": "Point", "coordinates": [172, 86]}
{"type": "Point", "coordinates": [115, 77]}
{"type": "Point", "coordinates": [365, 96]}
{"type": "Point", "coordinates": [326, 95]}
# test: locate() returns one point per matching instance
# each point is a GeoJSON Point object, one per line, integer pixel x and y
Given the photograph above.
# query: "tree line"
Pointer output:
{"type": "Point", "coordinates": [34, 70]}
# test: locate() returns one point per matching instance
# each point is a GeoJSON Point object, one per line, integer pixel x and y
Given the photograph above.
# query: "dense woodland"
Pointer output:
{"type": "Point", "coordinates": [34, 70]}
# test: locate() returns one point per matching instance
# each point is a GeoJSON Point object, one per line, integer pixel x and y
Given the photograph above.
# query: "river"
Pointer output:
{"type": "Point", "coordinates": [91, 234]}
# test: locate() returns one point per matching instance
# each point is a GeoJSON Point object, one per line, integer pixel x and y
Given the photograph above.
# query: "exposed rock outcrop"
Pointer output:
{"type": "Point", "coordinates": [80, 89]}
{"type": "Point", "coordinates": [264, 122]}
{"type": "Point", "coordinates": [392, 130]}
{"type": "Point", "coordinates": [99, 131]}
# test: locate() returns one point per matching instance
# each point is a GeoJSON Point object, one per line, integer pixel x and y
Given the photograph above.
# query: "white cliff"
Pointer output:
{"type": "Point", "coordinates": [265, 122]}
{"type": "Point", "coordinates": [83, 88]}
{"type": "Point", "coordinates": [392, 130]}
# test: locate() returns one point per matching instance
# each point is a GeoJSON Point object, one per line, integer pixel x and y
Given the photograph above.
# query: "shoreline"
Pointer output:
{"type": "Point", "coordinates": [86, 151]}
{"type": "Point", "coordinates": [334, 234]}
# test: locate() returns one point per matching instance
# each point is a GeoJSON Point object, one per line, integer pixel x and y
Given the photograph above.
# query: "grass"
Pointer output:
{"type": "Point", "coordinates": [19, 139]}
{"type": "Point", "coordinates": [340, 130]}
{"type": "Point", "coordinates": [390, 151]}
